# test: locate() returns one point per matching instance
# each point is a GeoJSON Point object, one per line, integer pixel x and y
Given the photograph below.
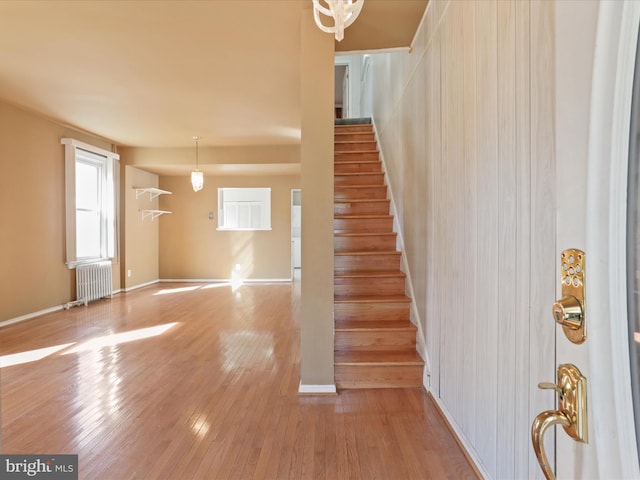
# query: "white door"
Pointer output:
{"type": "Point", "coordinates": [595, 57]}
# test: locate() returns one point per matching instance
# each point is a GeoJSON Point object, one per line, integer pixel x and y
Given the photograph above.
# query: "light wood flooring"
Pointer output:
{"type": "Point", "coordinates": [198, 381]}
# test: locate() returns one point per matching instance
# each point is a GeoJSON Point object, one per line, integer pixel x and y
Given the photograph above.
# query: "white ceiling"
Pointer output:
{"type": "Point", "coordinates": [156, 73]}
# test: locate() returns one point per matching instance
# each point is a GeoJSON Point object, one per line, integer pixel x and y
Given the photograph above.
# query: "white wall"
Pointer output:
{"type": "Point", "coordinates": [465, 123]}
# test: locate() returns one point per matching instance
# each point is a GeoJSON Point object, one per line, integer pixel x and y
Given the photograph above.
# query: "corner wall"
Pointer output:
{"type": "Point", "coordinates": [141, 236]}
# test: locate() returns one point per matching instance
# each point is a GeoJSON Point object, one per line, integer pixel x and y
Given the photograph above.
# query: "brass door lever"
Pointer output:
{"type": "Point", "coordinates": [572, 414]}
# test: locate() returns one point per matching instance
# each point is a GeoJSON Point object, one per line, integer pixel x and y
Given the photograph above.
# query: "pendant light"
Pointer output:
{"type": "Point", "coordinates": [197, 177]}
{"type": "Point", "coordinates": [343, 13]}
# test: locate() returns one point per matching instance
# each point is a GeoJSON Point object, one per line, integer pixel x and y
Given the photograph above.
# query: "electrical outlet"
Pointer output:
{"type": "Point", "coordinates": [129, 273]}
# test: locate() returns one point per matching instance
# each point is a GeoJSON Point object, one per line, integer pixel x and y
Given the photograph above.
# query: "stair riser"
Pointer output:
{"type": "Point", "coordinates": [340, 157]}
{"type": "Point", "coordinates": [357, 167]}
{"type": "Point", "coordinates": [361, 208]}
{"type": "Point", "coordinates": [366, 263]}
{"type": "Point", "coordinates": [376, 243]}
{"type": "Point", "coordinates": [372, 311]}
{"type": "Point", "coordinates": [400, 376]}
{"type": "Point", "coordinates": [354, 146]}
{"type": "Point", "coordinates": [369, 286]}
{"type": "Point", "coordinates": [383, 341]}
{"type": "Point", "coordinates": [362, 127]}
{"type": "Point", "coordinates": [363, 225]}
{"type": "Point", "coordinates": [359, 193]}
{"type": "Point", "coordinates": [359, 179]}
{"type": "Point", "coordinates": [354, 137]}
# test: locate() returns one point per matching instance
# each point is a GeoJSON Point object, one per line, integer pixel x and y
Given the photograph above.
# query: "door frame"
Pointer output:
{"type": "Point", "coordinates": [610, 404]}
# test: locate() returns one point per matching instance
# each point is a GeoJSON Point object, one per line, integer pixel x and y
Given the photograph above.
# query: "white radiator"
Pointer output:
{"type": "Point", "coordinates": [93, 281]}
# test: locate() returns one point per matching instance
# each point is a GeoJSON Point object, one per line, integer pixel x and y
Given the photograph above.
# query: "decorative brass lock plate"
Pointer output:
{"type": "Point", "coordinates": [569, 311]}
{"type": "Point", "coordinates": [573, 401]}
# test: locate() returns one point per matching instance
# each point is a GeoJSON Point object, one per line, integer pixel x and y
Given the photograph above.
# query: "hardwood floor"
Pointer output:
{"type": "Point", "coordinates": [197, 381]}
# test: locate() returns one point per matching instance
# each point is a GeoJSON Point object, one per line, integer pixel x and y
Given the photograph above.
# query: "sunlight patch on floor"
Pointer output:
{"type": "Point", "coordinates": [119, 338]}
{"type": "Point", "coordinates": [30, 355]}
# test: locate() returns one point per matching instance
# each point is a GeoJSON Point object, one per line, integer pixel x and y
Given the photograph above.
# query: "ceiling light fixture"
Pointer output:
{"type": "Point", "coordinates": [197, 177]}
{"type": "Point", "coordinates": [343, 12]}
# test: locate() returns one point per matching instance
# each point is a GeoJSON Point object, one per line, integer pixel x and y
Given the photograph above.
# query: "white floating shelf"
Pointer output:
{"type": "Point", "coordinates": [152, 191]}
{"type": "Point", "coordinates": [153, 213]}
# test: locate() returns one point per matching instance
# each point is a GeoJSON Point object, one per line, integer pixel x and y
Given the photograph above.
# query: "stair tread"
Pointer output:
{"type": "Point", "coordinates": [372, 274]}
{"type": "Point", "coordinates": [356, 174]}
{"type": "Point", "coordinates": [364, 234]}
{"type": "Point", "coordinates": [340, 152]}
{"type": "Point", "coordinates": [371, 299]}
{"type": "Point", "coordinates": [358, 161]}
{"type": "Point", "coordinates": [406, 357]}
{"type": "Point", "coordinates": [368, 185]}
{"type": "Point", "coordinates": [373, 325]}
{"type": "Point", "coordinates": [364, 215]}
{"type": "Point", "coordinates": [361, 200]}
{"type": "Point", "coordinates": [368, 252]}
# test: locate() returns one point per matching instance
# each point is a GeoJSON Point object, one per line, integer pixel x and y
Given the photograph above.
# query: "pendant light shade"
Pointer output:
{"type": "Point", "coordinates": [343, 13]}
{"type": "Point", "coordinates": [197, 180]}
{"type": "Point", "coordinates": [197, 177]}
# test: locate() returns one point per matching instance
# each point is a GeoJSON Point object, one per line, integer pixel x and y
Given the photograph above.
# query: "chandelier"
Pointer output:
{"type": "Point", "coordinates": [343, 12]}
{"type": "Point", "coordinates": [197, 177]}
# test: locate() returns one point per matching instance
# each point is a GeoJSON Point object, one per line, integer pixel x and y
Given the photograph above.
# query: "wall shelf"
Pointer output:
{"type": "Point", "coordinates": [153, 213]}
{"type": "Point", "coordinates": [152, 191]}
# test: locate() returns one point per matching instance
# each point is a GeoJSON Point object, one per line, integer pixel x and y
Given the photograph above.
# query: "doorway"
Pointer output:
{"type": "Point", "coordinates": [341, 102]}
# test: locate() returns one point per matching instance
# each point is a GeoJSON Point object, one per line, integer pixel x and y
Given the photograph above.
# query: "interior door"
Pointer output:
{"type": "Point", "coordinates": [595, 60]}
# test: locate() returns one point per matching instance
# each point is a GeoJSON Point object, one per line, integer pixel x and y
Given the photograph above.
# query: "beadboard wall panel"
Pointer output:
{"type": "Point", "coordinates": [465, 123]}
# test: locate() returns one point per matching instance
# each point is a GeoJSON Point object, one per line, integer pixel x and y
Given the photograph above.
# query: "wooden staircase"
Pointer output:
{"type": "Point", "coordinates": [375, 342]}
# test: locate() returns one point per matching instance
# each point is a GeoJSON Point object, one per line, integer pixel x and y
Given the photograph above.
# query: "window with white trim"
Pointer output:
{"type": "Point", "coordinates": [91, 182]}
{"type": "Point", "coordinates": [244, 209]}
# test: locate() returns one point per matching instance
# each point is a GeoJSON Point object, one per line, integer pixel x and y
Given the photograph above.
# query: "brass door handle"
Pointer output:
{"type": "Point", "coordinates": [572, 414]}
{"type": "Point", "coordinates": [540, 425]}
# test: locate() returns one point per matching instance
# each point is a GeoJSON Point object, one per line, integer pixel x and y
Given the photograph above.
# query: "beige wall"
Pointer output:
{"type": "Point", "coordinates": [33, 275]}
{"type": "Point", "coordinates": [141, 236]}
{"type": "Point", "coordinates": [192, 248]}
{"type": "Point", "coordinates": [225, 155]}
{"type": "Point", "coordinates": [466, 128]}
{"type": "Point", "coordinates": [316, 353]}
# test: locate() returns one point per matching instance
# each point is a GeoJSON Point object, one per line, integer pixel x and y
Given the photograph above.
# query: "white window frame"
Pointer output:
{"type": "Point", "coordinates": [254, 202]}
{"type": "Point", "coordinates": [110, 172]}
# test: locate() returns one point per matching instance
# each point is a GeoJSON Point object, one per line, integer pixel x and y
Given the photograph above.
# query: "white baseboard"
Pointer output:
{"type": "Point", "coordinates": [30, 315]}
{"type": "Point", "coordinates": [317, 389]}
{"type": "Point", "coordinates": [128, 289]}
{"type": "Point", "coordinates": [464, 443]}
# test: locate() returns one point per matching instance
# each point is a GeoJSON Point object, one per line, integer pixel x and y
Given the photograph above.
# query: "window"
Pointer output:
{"type": "Point", "coordinates": [91, 178]}
{"type": "Point", "coordinates": [244, 209]}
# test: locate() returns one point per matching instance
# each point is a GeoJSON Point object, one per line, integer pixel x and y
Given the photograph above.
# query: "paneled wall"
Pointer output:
{"type": "Point", "coordinates": [465, 123]}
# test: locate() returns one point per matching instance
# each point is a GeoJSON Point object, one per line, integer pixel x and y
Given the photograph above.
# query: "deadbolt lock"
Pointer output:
{"type": "Point", "coordinates": [569, 311]}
